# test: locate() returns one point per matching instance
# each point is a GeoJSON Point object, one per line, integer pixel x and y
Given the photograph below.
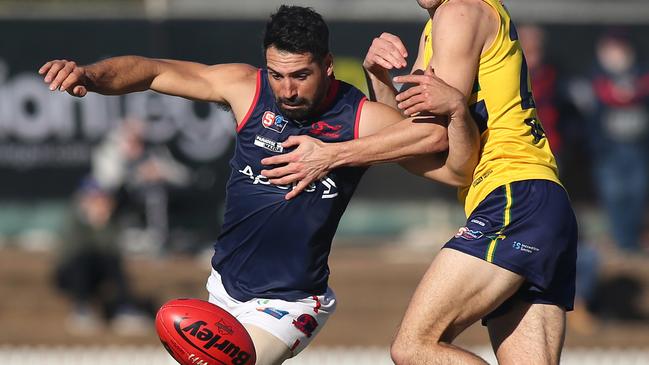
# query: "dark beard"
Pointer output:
{"type": "Point", "coordinates": [300, 114]}
{"type": "Point", "coordinates": [308, 108]}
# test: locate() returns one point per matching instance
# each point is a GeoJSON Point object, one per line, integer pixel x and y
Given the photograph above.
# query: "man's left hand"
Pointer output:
{"type": "Point", "coordinates": [309, 162]}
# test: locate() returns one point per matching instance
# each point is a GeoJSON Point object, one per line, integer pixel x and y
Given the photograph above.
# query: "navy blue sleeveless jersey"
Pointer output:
{"type": "Point", "coordinates": [270, 247]}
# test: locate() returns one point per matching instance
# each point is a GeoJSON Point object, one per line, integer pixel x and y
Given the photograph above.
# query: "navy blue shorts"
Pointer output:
{"type": "Point", "coordinates": [527, 227]}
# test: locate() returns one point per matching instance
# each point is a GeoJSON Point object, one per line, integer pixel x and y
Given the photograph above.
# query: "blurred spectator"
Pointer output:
{"type": "Point", "coordinates": [551, 107]}
{"type": "Point", "coordinates": [619, 136]}
{"type": "Point", "coordinates": [146, 173]}
{"type": "Point", "coordinates": [543, 77]}
{"type": "Point", "coordinates": [90, 269]}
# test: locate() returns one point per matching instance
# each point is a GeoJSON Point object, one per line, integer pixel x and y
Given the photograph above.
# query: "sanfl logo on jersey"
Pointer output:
{"type": "Point", "coordinates": [274, 122]}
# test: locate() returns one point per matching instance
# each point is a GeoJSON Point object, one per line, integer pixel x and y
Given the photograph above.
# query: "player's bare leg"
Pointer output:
{"type": "Point", "coordinates": [528, 334]}
{"type": "Point", "coordinates": [456, 291]}
{"type": "Point", "coordinates": [270, 349]}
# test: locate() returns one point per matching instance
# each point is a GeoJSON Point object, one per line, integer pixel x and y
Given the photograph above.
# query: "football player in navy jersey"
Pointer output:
{"type": "Point", "coordinates": [270, 268]}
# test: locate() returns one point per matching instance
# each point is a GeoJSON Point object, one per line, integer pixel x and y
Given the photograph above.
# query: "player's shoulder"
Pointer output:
{"type": "Point", "coordinates": [234, 84]}
{"type": "Point", "coordinates": [463, 11]}
{"type": "Point", "coordinates": [239, 71]}
{"type": "Point", "coordinates": [464, 22]}
{"type": "Point", "coordinates": [347, 90]}
{"type": "Point", "coordinates": [233, 74]}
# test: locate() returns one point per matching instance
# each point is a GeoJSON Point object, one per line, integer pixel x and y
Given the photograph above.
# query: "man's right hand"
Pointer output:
{"type": "Point", "coordinates": [427, 93]}
{"type": "Point", "coordinates": [65, 75]}
{"type": "Point", "coordinates": [387, 52]}
{"type": "Point", "coordinates": [310, 161]}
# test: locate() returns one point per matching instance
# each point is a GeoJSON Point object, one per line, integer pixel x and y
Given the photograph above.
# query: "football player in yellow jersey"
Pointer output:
{"type": "Point", "coordinates": [513, 264]}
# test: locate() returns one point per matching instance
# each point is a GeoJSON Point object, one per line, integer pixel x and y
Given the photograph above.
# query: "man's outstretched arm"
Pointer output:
{"type": "Point", "coordinates": [225, 83]}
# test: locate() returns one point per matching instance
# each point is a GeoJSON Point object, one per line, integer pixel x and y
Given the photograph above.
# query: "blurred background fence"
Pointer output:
{"type": "Point", "coordinates": [50, 143]}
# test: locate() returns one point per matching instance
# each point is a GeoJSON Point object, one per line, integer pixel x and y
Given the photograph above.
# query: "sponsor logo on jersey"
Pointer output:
{"type": "Point", "coordinates": [330, 188]}
{"type": "Point", "coordinates": [325, 129]}
{"type": "Point", "coordinates": [478, 222]}
{"type": "Point", "coordinates": [277, 313]}
{"type": "Point", "coordinates": [477, 181]}
{"type": "Point", "coordinates": [468, 234]}
{"type": "Point", "coordinates": [524, 247]}
{"type": "Point", "coordinates": [273, 122]}
{"type": "Point", "coordinates": [306, 324]}
{"type": "Point", "coordinates": [269, 144]}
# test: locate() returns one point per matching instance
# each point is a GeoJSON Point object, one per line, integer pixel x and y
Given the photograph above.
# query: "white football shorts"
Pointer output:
{"type": "Point", "coordinates": [294, 323]}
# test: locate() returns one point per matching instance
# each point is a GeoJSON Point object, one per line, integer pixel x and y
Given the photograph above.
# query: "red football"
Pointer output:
{"type": "Point", "coordinates": [198, 332]}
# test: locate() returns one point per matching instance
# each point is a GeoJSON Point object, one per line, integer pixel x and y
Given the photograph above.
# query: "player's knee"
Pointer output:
{"type": "Point", "coordinates": [400, 353]}
{"type": "Point", "coordinates": [403, 351]}
{"type": "Point", "coordinates": [411, 350]}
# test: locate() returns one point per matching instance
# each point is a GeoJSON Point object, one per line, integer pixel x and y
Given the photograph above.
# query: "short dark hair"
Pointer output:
{"type": "Point", "coordinates": [297, 29]}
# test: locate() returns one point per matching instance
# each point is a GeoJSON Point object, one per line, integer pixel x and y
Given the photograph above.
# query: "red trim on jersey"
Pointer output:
{"type": "Point", "coordinates": [254, 103]}
{"type": "Point", "coordinates": [317, 304]}
{"type": "Point", "coordinates": [358, 116]}
{"type": "Point", "coordinates": [295, 345]}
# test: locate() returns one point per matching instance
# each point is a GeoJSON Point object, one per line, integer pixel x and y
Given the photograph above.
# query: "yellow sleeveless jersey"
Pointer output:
{"type": "Point", "coordinates": [513, 143]}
